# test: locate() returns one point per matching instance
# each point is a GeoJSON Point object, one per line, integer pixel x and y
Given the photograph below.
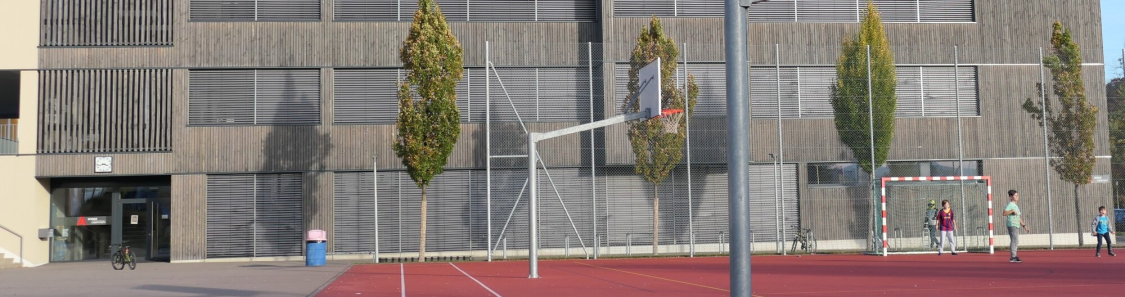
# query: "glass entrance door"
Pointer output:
{"type": "Point", "coordinates": [135, 229]}
{"type": "Point", "coordinates": [160, 245]}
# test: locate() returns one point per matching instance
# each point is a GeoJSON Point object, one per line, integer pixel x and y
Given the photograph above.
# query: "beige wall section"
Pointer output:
{"type": "Point", "coordinates": [24, 208]}
{"type": "Point", "coordinates": [25, 202]}
{"type": "Point", "coordinates": [20, 22]}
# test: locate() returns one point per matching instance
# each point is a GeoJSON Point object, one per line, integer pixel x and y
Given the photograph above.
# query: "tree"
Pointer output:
{"type": "Point", "coordinates": [850, 94]}
{"type": "Point", "coordinates": [656, 151]}
{"type": "Point", "coordinates": [428, 126]}
{"type": "Point", "coordinates": [1069, 117]}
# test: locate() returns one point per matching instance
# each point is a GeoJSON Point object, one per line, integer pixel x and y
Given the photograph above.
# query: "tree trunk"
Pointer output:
{"type": "Point", "coordinates": [422, 240]}
{"type": "Point", "coordinates": [655, 218]}
{"type": "Point", "coordinates": [1078, 217]}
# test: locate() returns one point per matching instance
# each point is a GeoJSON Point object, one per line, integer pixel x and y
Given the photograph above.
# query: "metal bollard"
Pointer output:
{"type": "Point", "coordinates": [566, 243]}
{"type": "Point", "coordinates": [597, 245]}
{"type": "Point", "coordinates": [505, 248]}
{"type": "Point", "coordinates": [628, 244]}
{"type": "Point", "coordinates": [722, 248]}
{"type": "Point", "coordinates": [752, 241]}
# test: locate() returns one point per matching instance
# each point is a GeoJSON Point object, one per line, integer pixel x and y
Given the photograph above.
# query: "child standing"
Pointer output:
{"type": "Point", "coordinates": [1101, 230]}
{"type": "Point", "coordinates": [946, 224]}
{"type": "Point", "coordinates": [929, 222]}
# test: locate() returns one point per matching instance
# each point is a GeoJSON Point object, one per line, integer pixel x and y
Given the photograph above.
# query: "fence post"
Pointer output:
{"type": "Point", "coordinates": [488, 147]}
{"type": "Point", "coordinates": [375, 195]}
{"type": "Point", "coordinates": [1046, 154]}
{"type": "Point", "coordinates": [780, 150]}
{"type": "Point", "coordinates": [960, 146]}
{"type": "Point", "coordinates": [871, 136]}
{"type": "Point", "coordinates": [687, 150]}
{"type": "Point", "coordinates": [593, 147]}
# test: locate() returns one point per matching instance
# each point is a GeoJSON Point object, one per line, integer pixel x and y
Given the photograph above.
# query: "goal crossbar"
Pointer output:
{"type": "Point", "coordinates": [883, 195]}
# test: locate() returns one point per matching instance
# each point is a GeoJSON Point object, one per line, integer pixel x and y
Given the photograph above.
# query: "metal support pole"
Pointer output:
{"type": "Point", "coordinates": [533, 219]}
{"type": "Point", "coordinates": [780, 151]}
{"type": "Point", "coordinates": [960, 142]}
{"type": "Point", "coordinates": [488, 147]}
{"type": "Point", "coordinates": [871, 136]}
{"type": "Point", "coordinates": [776, 207]}
{"type": "Point", "coordinates": [1046, 153]}
{"type": "Point", "coordinates": [687, 150]}
{"type": "Point", "coordinates": [738, 154]}
{"type": "Point", "coordinates": [375, 195]}
{"type": "Point", "coordinates": [593, 150]}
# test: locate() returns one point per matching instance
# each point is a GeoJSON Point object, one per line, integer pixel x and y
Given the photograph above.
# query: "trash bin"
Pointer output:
{"type": "Point", "coordinates": [316, 245]}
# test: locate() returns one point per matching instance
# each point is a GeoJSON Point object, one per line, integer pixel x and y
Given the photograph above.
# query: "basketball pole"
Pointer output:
{"type": "Point", "coordinates": [738, 154]}
{"type": "Point", "coordinates": [532, 157]}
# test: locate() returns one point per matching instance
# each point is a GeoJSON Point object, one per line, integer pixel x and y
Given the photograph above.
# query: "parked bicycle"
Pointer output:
{"type": "Point", "coordinates": [806, 240]}
{"type": "Point", "coordinates": [124, 255]}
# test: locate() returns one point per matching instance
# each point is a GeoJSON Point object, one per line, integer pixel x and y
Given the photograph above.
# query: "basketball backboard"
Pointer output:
{"type": "Point", "coordinates": [648, 80]}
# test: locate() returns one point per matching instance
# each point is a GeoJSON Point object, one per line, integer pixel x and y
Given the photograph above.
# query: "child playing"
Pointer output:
{"type": "Point", "coordinates": [947, 225]}
{"type": "Point", "coordinates": [1101, 230]}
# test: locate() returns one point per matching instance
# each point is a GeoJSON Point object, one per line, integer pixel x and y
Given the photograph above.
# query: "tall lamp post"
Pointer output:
{"type": "Point", "coordinates": [735, 14]}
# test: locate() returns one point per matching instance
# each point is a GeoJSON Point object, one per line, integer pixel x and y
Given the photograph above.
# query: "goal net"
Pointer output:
{"type": "Point", "coordinates": [905, 212]}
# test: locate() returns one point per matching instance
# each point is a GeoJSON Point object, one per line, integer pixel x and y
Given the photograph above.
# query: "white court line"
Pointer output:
{"type": "Point", "coordinates": [475, 280]}
{"type": "Point", "coordinates": [402, 278]}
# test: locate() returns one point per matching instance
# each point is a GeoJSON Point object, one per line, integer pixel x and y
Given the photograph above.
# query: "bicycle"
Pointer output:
{"type": "Point", "coordinates": [805, 238]}
{"type": "Point", "coordinates": [123, 255]}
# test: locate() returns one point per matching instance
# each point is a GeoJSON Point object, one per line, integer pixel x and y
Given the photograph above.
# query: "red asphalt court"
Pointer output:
{"type": "Point", "coordinates": [1043, 273]}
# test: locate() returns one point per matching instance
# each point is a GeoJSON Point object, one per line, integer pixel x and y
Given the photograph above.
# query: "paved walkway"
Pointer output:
{"type": "Point", "coordinates": [164, 279]}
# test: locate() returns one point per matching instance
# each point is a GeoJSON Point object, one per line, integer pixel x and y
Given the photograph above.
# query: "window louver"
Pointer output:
{"type": "Point", "coordinates": [254, 97]}
{"type": "Point", "coordinates": [254, 10]}
{"type": "Point", "coordinates": [254, 215]}
{"type": "Point", "coordinates": [474, 10]}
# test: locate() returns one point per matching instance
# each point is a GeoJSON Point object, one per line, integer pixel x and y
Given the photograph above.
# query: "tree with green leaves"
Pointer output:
{"type": "Point", "coordinates": [429, 123]}
{"type": "Point", "coordinates": [1069, 118]}
{"type": "Point", "coordinates": [658, 152]}
{"type": "Point", "coordinates": [850, 94]}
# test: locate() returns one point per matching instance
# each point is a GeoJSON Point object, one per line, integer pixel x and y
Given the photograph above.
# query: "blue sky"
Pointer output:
{"type": "Point", "coordinates": [1113, 36]}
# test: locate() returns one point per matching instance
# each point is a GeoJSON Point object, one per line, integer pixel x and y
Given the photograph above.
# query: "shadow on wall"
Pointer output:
{"type": "Point", "coordinates": [296, 148]}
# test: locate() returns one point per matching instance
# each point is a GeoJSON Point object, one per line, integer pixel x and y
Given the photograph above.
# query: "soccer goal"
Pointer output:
{"type": "Point", "coordinates": [905, 205]}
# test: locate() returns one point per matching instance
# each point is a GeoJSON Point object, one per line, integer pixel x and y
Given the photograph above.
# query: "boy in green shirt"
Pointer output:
{"type": "Point", "coordinates": [1012, 212]}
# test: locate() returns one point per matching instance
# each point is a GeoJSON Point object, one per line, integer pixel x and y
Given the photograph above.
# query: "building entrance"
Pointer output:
{"type": "Point", "coordinates": [92, 214]}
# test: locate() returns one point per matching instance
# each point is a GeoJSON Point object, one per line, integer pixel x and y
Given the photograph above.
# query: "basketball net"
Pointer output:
{"type": "Point", "coordinates": [670, 120]}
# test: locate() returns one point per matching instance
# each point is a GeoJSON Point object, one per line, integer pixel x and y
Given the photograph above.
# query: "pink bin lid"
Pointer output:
{"type": "Point", "coordinates": [317, 235]}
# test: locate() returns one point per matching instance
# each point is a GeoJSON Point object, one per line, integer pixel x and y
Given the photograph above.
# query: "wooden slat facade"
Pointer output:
{"type": "Point", "coordinates": [318, 203]}
{"type": "Point", "coordinates": [1004, 136]}
{"type": "Point", "coordinates": [189, 217]}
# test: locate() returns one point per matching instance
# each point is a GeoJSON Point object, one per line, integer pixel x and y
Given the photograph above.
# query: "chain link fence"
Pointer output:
{"type": "Point", "coordinates": [958, 113]}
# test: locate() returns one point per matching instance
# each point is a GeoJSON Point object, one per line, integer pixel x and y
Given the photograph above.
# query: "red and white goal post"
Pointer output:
{"type": "Point", "coordinates": [909, 196]}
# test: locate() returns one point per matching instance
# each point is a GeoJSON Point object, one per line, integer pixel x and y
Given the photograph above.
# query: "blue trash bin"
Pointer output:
{"type": "Point", "coordinates": [316, 248]}
{"type": "Point", "coordinates": [315, 253]}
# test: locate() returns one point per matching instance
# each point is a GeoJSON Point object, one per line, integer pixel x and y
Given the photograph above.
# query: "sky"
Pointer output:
{"type": "Point", "coordinates": [1113, 36]}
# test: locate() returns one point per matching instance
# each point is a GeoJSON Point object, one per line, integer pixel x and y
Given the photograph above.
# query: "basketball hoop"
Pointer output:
{"type": "Point", "coordinates": [670, 120]}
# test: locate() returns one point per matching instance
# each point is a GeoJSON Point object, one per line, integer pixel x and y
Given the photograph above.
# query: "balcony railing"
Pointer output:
{"type": "Point", "coordinates": [9, 138]}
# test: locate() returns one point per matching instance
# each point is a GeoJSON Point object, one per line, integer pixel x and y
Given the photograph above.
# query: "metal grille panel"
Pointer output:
{"type": "Point", "coordinates": [254, 215]}
{"type": "Point", "coordinates": [354, 223]}
{"type": "Point", "coordinates": [230, 216]}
